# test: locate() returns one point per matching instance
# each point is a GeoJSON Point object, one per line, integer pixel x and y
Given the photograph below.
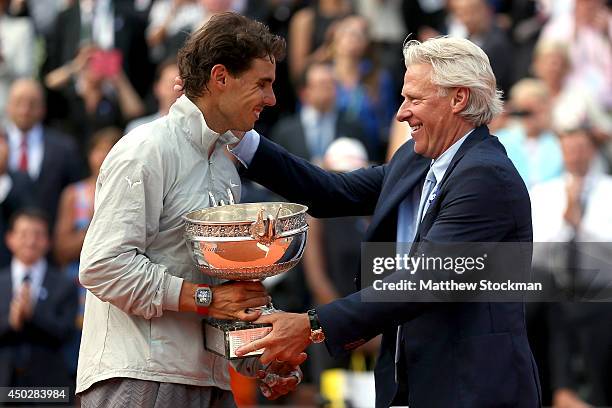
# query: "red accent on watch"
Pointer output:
{"type": "Point", "coordinates": [201, 310]}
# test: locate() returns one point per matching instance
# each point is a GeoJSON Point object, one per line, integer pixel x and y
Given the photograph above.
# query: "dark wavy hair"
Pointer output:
{"type": "Point", "coordinates": [228, 39]}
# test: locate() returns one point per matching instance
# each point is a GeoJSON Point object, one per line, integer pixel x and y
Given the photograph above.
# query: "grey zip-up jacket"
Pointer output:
{"type": "Point", "coordinates": [134, 258]}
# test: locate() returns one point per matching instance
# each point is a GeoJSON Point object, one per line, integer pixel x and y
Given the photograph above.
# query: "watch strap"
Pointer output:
{"type": "Point", "coordinates": [314, 320]}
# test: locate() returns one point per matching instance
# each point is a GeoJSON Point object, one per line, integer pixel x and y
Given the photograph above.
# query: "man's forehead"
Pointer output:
{"type": "Point", "coordinates": [419, 78]}
{"type": "Point", "coordinates": [263, 67]}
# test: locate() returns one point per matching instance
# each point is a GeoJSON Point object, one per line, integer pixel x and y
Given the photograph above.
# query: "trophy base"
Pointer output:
{"type": "Point", "coordinates": [223, 337]}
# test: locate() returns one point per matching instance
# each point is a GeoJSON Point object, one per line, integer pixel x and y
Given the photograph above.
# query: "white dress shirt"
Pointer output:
{"type": "Point", "coordinates": [37, 276]}
{"type": "Point", "coordinates": [36, 149]}
{"type": "Point", "coordinates": [406, 223]}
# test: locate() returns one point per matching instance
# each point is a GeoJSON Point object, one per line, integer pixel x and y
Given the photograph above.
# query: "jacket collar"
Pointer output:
{"type": "Point", "coordinates": [186, 116]}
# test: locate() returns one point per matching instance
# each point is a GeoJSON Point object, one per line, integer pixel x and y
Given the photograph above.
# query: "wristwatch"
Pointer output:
{"type": "Point", "coordinates": [203, 298]}
{"type": "Point", "coordinates": [316, 331]}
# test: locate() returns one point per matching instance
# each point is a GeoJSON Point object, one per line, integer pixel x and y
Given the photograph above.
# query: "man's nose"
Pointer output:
{"type": "Point", "coordinates": [403, 114]}
{"type": "Point", "coordinates": [270, 99]}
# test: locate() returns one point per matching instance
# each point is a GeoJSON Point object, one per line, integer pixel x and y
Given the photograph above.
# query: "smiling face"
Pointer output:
{"type": "Point", "coordinates": [245, 96]}
{"type": "Point", "coordinates": [28, 240]}
{"type": "Point", "coordinates": [430, 115]}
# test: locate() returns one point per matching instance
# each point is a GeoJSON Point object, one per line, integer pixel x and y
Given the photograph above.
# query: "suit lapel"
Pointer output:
{"type": "Point", "coordinates": [404, 176]}
{"type": "Point", "coordinates": [478, 135]}
{"type": "Point", "coordinates": [48, 154]}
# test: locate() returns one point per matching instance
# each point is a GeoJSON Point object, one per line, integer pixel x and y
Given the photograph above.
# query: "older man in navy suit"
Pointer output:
{"type": "Point", "coordinates": [451, 183]}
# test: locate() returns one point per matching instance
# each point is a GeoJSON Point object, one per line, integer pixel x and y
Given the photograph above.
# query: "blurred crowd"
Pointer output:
{"type": "Point", "coordinates": [76, 75]}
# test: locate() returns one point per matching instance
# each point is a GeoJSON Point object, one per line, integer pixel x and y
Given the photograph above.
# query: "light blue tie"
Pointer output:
{"type": "Point", "coordinates": [426, 199]}
{"type": "Point", "coordinates": [426, 196]}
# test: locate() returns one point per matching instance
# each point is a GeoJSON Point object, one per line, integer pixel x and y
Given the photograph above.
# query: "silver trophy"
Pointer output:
{"type": "Point", "coordinates": [244, 242]}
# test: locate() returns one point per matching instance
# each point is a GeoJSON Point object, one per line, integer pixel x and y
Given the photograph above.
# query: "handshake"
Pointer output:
{"type": "Point", "coordinates": [284, 346]}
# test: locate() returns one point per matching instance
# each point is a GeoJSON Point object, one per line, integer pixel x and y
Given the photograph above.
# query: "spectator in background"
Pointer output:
{"type": "Point", "coordinates": [74, 215]}
{"type": "Point", "coordinates": [49, 157]}
{"type": "Point", "coordinates": [105, 24]}
{"type": "Point", "coordinates": [333, 250]}
{"type": "Point", "coordinates": [309, 132]}
{"type": "Point", "coordinates": [529, 140]}
{"type": "Point", "coordinates": [424, 18]}
{"type": "Point", "coordinates": [170, 22]}
{"type": "Point", "coordinates": [15, 193]}
{"type": "Point", "coordinates": [37, 308]}
{"type": "Point", "coordinates": [42, 13]}
{"type": "Point", "coordinates": [365, 91]}
{"type": "Point", "coordinates": [572, 213]}
{"type": "Point", "coordinates": [16, 51]}
{"type": "Point", "coordinates": [310, 31]}
{"type": "Point", "coordinates": [587, 32]}
{"type": "Point", "coordinates": [572, 104]}
{"type": "Point", "coordinates": [476, 20]}
{"type": "Point", "coordinates": [333, 246]}
{"type": "Point", "coordinates": [388, 31]}
{"type": "Point", "coordinates": [98, 92]}
{"type": "Point", "coordinates": [163, 91]}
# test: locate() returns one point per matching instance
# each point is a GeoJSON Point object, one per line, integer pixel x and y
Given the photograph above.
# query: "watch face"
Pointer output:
{"type": "Point", "coordinates": [317, 336]}
{"type": "Point", "coordinates": [203, 297]}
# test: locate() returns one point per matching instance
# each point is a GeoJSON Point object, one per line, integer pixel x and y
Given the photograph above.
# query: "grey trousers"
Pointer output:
{"type": "Point", "coordinates": [129, 392]}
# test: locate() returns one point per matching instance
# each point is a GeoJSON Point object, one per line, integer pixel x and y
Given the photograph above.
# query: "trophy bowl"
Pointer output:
{"type": "Point", "coordinates": [246, 241]}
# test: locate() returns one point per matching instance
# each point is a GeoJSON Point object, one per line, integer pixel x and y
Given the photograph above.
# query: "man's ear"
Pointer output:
{"type": "Point", "coordinates": [460, 99]}
{"type": "Point", "coordinates": [218, 76]}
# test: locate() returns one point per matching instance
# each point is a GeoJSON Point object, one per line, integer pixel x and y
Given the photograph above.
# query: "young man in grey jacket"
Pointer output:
{"type": "Point", "coordinates": [142, 338]}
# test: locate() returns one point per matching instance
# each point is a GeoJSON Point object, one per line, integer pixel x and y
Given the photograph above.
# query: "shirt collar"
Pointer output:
{"type": "Point", "coordinates": [36, 270]}
{"type": "Point", "coordinates": [310, 115]}
{"type": "Point", "coordinates": [440, 165]}
{"type": "Point", "coordinates": [33, 135]}
{"type": "Point", "coordinates": [186, 115]}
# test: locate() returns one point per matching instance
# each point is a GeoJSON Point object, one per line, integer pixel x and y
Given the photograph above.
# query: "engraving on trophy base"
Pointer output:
{"type": "Point", "coordinates": [223, 337]}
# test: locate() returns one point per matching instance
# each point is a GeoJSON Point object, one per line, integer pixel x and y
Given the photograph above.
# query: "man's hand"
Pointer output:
{"type": "Point", "coordinates": [289, 337]}
{"type": "Point", "coordinates": [230, 301]}
{"type": "Point", "coordinates": [235, 300]}
{"type": "Point", "coordinates": [15, 316]}
{"type": "Point", "coordinates": [26, 302]}
{"type": "Point", "coordinates": [20, 308]}
{"type": "Point", "coordinates": [279, 378]}
{"type": "Point", "coordinates": [573, 211]}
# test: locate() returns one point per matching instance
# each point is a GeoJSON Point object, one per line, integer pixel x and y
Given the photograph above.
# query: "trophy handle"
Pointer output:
{"type": "Point", "coordinates": [263, 230]}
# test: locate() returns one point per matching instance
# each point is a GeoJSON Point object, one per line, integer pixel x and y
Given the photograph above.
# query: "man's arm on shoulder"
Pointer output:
{"type": "Point", "coordinates": [327, 194]}
{"type": "Point", "coordinates": [114, 266]}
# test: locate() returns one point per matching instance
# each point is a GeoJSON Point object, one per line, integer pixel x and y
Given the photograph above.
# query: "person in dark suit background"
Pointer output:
{"type": "Point", "coordinates": [109, 24]}
{"type": "Point", "coordinates": [309, 132]}
{"type": "Point", "coordinates": [432, 354]}
{"type": "Point", "coordinates": [48, 157]}
{"type": "Point", "coordinates": [38, 306]}
{"type": "Point", "coordinates": [478, 19]}
{"type": "Point", "coordinates": [15, 193]}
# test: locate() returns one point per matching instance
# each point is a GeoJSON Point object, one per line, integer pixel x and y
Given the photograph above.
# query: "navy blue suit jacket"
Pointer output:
{"type": "Point", "coordinates": [51, 325]}
{"type": "Point", "coordinates": [453, 354]}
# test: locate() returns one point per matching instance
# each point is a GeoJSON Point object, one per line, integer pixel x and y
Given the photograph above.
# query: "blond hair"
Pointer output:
{"type": "Point", "coordinates": [458, 62]}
